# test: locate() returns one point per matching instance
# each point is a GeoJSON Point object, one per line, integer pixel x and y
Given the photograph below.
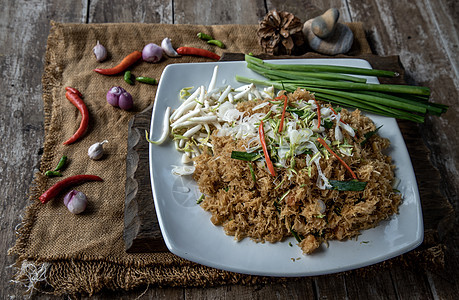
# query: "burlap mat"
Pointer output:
{"type": "Point", "coordinates": [85, 253]}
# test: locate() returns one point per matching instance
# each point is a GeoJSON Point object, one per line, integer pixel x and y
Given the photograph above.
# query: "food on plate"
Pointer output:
{"type": "Point", "coordinates": [274, 167]}
{"type": "Point", "coordinates": [329, 84]}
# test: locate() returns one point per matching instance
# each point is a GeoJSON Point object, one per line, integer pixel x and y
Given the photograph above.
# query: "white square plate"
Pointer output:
{"type": "Point", "coordinates": [189, 233]}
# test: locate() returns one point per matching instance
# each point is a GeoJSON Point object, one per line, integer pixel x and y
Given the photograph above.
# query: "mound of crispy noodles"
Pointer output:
{"type": "Point", "coordinates": [248, 208]}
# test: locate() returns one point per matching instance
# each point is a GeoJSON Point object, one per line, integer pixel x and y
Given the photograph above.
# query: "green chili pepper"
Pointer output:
{"type": "Point", "coordinates": [61, 163]}
{"type": "Point", "coordinates": [204, 36]}
{"type": "Point", "coordinates": [53, 174]}
{"type": "Point", "coordinates": [148, 80]}
{"type": "Point", "coordinates": [128, 77]}
{"type": "Point", "coordinates": [216, 43]}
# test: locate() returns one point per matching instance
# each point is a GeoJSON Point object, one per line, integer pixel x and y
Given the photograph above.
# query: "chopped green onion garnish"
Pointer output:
{"type": "Point", "coordinates": [296, 236]}
{"type": "Point", "coordinates": [200, 199]}
{"type": "Point", "coordinates": [246, 156]}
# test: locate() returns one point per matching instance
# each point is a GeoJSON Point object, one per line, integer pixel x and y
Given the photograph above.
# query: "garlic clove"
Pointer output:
{"type": "Point", "coordinates": [100, 52]}
{"type": "Point", "coordinates": [166, 44]}
{"type": "Point", "coordinates": [96, 151]}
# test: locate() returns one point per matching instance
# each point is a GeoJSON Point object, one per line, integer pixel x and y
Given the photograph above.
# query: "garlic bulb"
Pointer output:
{"type": "Point", "coordinates": [100, 52]}
{"type": "Point", "coordinates": [96, 151]}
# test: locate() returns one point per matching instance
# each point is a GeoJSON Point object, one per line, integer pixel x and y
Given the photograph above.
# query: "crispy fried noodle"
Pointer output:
{"type": "Point", "coordinates": [332, 178]}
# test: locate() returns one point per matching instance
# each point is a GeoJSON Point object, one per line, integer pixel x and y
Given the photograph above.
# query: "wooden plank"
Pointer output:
{"type": "Point", "coordinates": [330, 286]}
{"type": "Point", "coordinates": [218, 12]}
{"type": "Point", "coordinates": [291, 289]}
{"type": "Point", "coordinates": [130, 11]}
{"type": "Point", "coordinates": [141, 227]}
{"type": "Point", "coordinates": [374, 285]}
{"type": "Point", "coordinates": [425, 42]}
{"type": "Point", "coordinates": [444, 283]}
{"type": "Point", "coordinates": [306, 10]}
{"type": "Point", "coordinates": [410, 284]}
{"type": "Point", "coordinates": [24, 30]}
{"type": "Point", "coordinates": [429, 55]}
{"type": "Point", "coordinates": [143, 292]}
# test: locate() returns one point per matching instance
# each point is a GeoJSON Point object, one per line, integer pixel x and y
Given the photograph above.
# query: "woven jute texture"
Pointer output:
{"type": "Point", "coordinates": [85, 253]}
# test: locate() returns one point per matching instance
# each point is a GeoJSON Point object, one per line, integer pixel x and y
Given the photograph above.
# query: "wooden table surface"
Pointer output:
{"type": "Point", "coordinates": [423, 33]}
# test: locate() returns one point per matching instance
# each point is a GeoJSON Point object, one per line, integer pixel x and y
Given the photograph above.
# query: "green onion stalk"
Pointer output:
{"type": "Point", "coordinates": [339, 85]}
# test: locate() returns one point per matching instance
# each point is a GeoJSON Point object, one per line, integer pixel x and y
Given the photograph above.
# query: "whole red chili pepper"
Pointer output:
{"type": "Point", "coordinates": [123, 65]}
{"type": "Point", "coordinates": [54, 190]}
{"type": "Point", "coordinates": [197, 52]}
{"type": "Point", "coordinates": [73, 90]}
{"type": "Point", "coordinates": [73, 95]}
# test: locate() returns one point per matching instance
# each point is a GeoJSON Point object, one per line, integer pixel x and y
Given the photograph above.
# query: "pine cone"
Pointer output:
{"type": "Point", "coordinates": [280, 33]}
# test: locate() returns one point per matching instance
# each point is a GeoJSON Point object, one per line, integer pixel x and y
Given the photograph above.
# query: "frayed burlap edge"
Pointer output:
{"type": "Point", "coordinates": [76, 277]}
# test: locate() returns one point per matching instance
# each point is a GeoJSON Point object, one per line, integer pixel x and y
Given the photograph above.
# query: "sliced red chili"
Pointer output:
{"type": "Point", "coordinates": [269, 163]}
{"type": "Point", "coordinates": [73, 95]}
{"type": "Point", "coordinates": [320, 140]}
{"type": "Point", "coordinates": [318, 113]}
{"type": "Point", "coordinates": [336, 114]}
{"type": "Point", "coordinates": [54, 190]}
{"type": "Point", "coordinates": [123, 65]}
{"type": "Point", "coordinates": [281, 125]}
{"type": "Point", "coordinates": [197, 52]}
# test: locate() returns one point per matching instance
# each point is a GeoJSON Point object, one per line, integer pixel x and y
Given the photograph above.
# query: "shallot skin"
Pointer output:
{"type": "Point", "coordinates": [75, 201]}
{"type": "Point", "coordinates": [152, 53]}
{"type": "Point", "coordinates": [119, 97]}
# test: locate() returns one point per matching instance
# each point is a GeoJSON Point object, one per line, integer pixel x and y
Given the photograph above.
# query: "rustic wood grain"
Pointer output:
{"type": "Point", "coordinates": [141, 227]}
{"type": "Point", "coordinates": [23, 34]}
{"type": "Point", "coordinates": [423, 33]}
{"type": "Point", "coordinates": [218, 12]}
{"type": "Point", "coordinates": [424, 36]}
{"type": "Point", "coordinates": [435, 66]}
{"type": "Point", "coordinates": [379, 287]}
